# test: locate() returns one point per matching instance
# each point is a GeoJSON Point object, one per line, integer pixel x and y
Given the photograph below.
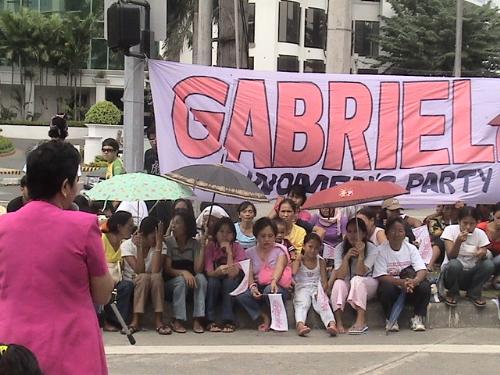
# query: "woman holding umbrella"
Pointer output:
{"type": "Point", "coordinates": [352, 281]}
{"type": "Point", "coordinates": [395, 256]}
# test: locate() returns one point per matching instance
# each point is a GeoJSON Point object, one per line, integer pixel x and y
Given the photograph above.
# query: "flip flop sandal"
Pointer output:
{"type": "Point", "coordinates": [450, 301]}
{"type": "Point", "coordinates": [477, 301]}
{"type": "Point", "coordinates": [228, 328]}
{"type": "Point", "coordinates": [355, 331]}
{"type": "Point", "coordinates": [164, 330]}
{"type": "Point", "coordinates": [178, 327]}
{"type": "Point", "coordinates": [304, 331]}
{"type": "Point", "coordinates": [213, 327]}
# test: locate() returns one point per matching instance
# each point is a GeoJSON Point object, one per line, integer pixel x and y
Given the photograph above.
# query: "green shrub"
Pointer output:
{"type": "Point", "coordinates": [103, 113]}
{"type": "Point", "coordinates": [71, 124]}
{"type": "Point", "coordinates": [6, 145]}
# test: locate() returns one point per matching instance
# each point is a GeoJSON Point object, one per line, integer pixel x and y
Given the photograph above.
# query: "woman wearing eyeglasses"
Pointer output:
{"type": "Point", "coordinates": [110, 149]}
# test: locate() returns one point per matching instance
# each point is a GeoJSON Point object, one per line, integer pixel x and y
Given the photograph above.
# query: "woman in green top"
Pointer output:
{"type": "Point", "coordinates": [110, 149]}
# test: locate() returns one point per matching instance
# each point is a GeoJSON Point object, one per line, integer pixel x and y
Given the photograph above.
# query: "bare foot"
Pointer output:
{"type": "Point", "coordinates": [266, 323]}
{"type": "Point", "coordinates": [332, 329]}
{"type": "Point", "coordinates": [340, 328]}
{"type": "Point", "coordinates": [302, 329]}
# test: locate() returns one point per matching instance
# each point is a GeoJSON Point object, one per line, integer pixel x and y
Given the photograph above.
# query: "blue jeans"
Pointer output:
{"type": "Point", "coordinates": [178, 289]}
{"type": "Point", "coordinates": [254, 306]}
{"type": "Point", "coordinates": [215, 285]}
{"type": "Point", "coordinates": [125, 291]}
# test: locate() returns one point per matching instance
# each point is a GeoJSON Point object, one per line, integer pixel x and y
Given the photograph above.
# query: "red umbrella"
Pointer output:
{"type": "Point", "coordinates": [353, 193]}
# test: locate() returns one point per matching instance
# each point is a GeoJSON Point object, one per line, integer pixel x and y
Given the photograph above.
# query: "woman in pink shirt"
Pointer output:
{"type": "Point", "coordinates": [53, 270]}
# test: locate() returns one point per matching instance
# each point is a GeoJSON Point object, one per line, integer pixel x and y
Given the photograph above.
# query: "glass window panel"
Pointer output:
{"type": "Point", "coordinates": [314, 66]}
{"type": "Point", "coordinates": [365, 38]}
{"type": "Point", "coordinates": [99, 29]}
{"type": "Point", "coordinates": [289, 22]}
{"type": "Point", "coordinates": [288, 63]}
{"type": "Point", "coordinates": [315, 30]}
{"type": "Point", "coordinates": [251, 23]}
{"type": "Point", "coordinates": [98, 9]}
{"type": "Point", "coordinates": [98, 56]}
{"type": "Point", "coordinates": [116, 60]}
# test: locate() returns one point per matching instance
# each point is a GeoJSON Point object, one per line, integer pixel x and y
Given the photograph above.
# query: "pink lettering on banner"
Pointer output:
{"type": "Point", "coordinates": [249, 129]}
{"type": "Point", "coordinates": [416, 125]}
{"type": "Point", "coordinates": [352, 129]}
{"type": "Point", "coordinates": [387, 140]}
{"type": "Point", "coordinates": [206, 86]}
{"type": "Point", "coordinates": [464, 151]}
{"type": "Point", "coordinates": [289, 123]}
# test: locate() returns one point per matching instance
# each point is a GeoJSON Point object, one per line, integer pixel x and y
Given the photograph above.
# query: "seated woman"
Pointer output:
{"type": "Point", "coordinates": [120, 227]}
{"type": "Point", "coordinates": [447, 215]}
{"type": "Point", "coordinates": [222, 269]}
{"type": "Point", "coordinates": [492, 230]}
{"type": "Point", "coordinates": [268, 261]}
{"type": "Point", "coordinates": [374, 234]}
{"type": "Point", "coordinates": [244, 228]}
{"type": "Point", "coordinates": [287, 210]}
{"type": "Point", "coordinates": [393, 257]}
{"type": "Point", "coordinates": [142, 255]}
{"type": "Point", "coordinates": [351, 280]}
{"type": "Point", "coordinates": [183, 267]}
{"type": "Point", "coordinates": [465, 266]}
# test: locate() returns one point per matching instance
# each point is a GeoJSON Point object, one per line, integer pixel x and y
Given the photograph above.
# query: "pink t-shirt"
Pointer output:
{"type": "Point", "coordinates": [257, 263]}
{"type": "Point", "coordinates": [47, 256]}
{"type": "Point", "coordinates": [215, 256]}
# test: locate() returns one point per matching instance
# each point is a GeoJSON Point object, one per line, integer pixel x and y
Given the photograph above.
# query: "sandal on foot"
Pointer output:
{"type": "Point", "coordinates": [264, 327]}
{"type": "Point", "coordinates": [213, 327]}
{"type": "Point", "coordinates": [229, 328]}
{"type": "Point", "coordinates": [478, 302]}
{"type": "Point", "coordinates": [450, 301]}
{"type": "Point", "coordinates": [164, 330]}
{"type": "Point", "coordinates": [303, 331]}
{"type": "Point", "coordinates": [358, 331]}
{"type": "Point", "coordinates": [132, 330]}
{"type": "Point", "coordinates": [178, 327]}
{"type": "Point", "coordinates": [198, 327]}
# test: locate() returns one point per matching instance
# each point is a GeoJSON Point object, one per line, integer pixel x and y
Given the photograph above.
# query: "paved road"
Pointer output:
{"type": "Point", "coordinates": [438, 351]}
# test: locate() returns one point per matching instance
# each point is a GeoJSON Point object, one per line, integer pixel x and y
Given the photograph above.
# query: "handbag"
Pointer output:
{"type": "Point", "coordinates": [115, 269]}
{"type": "Point", "coordinates": [266, 273]}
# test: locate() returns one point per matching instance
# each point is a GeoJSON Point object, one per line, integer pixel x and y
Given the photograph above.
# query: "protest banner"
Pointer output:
{"type": "Point", "coordinates": [437, 137]}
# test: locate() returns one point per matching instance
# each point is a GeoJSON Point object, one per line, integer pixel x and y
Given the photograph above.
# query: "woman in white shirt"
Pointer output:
{"type": "Point", "coordinates": [465, 266]}
{"type": "Point", "coordinates": [394, 256]}
{"type": "Point", "coordinates": [143, 264]}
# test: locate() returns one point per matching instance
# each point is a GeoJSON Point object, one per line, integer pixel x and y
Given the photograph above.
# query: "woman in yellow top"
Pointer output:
{"type": "Point", "coordinates": [120, 227]}
{"type": "Point", "coordinates": [287, 211]}
{"type": "Point", "coordinates": [110, 148]}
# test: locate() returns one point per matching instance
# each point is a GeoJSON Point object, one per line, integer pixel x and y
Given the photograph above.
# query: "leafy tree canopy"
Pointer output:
{"type": "Point", "coordinates": [420, 38]}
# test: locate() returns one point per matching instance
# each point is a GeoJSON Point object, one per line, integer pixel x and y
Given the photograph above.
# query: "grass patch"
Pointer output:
{"type": "Point", "coordinates": [6, 145]}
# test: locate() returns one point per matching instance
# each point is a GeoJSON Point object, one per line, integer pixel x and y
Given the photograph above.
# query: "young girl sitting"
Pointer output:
{"type": "Point", "coordinates": [309, 269]}
{"type": "Point", "coordinates": [221, 267]}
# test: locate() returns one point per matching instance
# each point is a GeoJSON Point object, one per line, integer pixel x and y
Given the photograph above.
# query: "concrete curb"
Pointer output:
{"type": "Point", "coordinates": [10, 181]}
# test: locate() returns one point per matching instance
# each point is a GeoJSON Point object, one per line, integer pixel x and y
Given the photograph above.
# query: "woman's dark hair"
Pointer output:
{"type": "Point", "coordinates": [48, 166]}
{"type": "Point", "coordinates": [468, 211]}
{"type": "Point", "coordinates": [188, 203]}
{"type": "Point", "coordinates": [118, 218]}
{"type": "Point", "coordinates": [278, 221]}
{"type": "Point", "coordinates": [58, 127]}
{"type": "Point", "coordinates": [290, 202]}
{"type": "Point", "coordinates": [83, 204]}
{"type": "Point", "coordinates": [18, 360]}
{"type": "Point", "coordinates": [111, 142]}
{"type": "Point", "coordinates": [392, 221]}
{"type": "Point", "coordinates": [148, 225]}
{"type": "Point", "coordinates": [312, 237]}
{"type": "Point", "coordinates": [263, 223]}
{"type": "Point", "coordinates": [298, 191]}
{"type": "Point", "coordinates": [244, 205]}
{"type": "Point", "coordinates": [361, 226]}
{"type": "Point", "coordinates": [22, 183]}
{"type": "Point", "coordinates": [369, 213]}
{"type": "Point", "coordinates": [189, 222]}
{"type": "Point", "coordinates": [220, 223]}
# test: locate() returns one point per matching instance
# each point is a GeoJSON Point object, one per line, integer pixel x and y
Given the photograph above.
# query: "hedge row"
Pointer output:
{"type": "Point", "coordinates": [6, 145]}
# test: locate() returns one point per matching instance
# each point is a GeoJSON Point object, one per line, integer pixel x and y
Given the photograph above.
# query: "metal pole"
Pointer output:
{"type": "Point", "coordinates": [237, 32]}
{"type": "Point", "coordinates": [458, 39]}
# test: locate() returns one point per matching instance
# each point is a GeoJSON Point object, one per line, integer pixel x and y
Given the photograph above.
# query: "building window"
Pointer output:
{"type": "Point", "coordinates": [314, 66]}
{"type": "Point", "coordinates": [99, 54]}
{"type": "Point", "coordinates": [289, 22]}
{"type": "Point", "coordinates": [250, 62]}
{"type": "Point", "coordinates": [288, 63]}
{"type": "Point", "coordinates": [251, 23]}
{"type": "Point", "coordinates": [365, 38]}
{"type": "Point", "coordinates": [315, 30]}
